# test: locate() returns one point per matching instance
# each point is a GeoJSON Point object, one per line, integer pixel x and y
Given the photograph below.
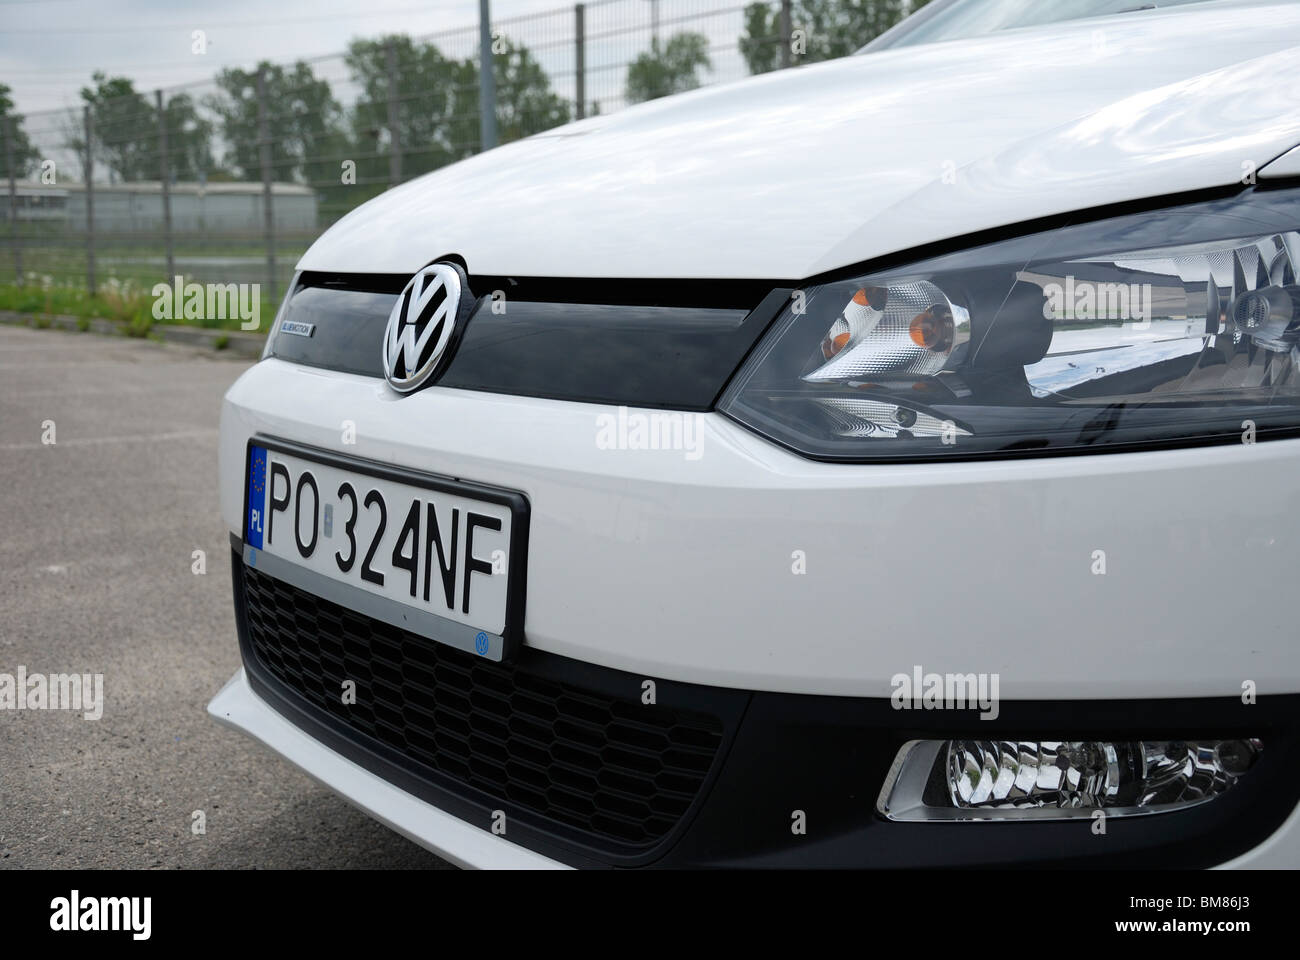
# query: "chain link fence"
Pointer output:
{"type": "Point", "coordinates": [228, 180]}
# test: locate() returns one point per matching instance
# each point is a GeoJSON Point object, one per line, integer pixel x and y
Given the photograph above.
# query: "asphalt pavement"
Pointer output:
{"type": "Point", "coordinates": [98, 533]}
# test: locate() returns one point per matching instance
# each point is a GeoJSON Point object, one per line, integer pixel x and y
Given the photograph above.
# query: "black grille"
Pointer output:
{"type": "Point", "coordinates": [614, 769]}
{"type": "Point", "coordinates": [687, 336]}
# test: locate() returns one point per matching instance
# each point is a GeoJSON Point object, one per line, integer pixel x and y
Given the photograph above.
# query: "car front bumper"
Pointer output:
{"type": "Point", "coordinates": [825, 757]}
{"type": "Point", "coordinates": [238, 707]}
{"type": "Point", "coordinates": [806, 587]}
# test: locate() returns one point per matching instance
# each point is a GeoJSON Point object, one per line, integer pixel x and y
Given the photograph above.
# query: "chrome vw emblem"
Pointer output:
{"type": "Point", "coordinates": [420, 326]}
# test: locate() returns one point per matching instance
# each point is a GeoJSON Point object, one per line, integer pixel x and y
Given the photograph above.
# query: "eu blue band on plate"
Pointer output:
{"type": "Point", "coordinates": [256, 496]}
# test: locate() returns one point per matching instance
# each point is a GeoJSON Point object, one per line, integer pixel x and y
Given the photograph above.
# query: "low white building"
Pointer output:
{"type": "Point", "coordinates": [137, 207]}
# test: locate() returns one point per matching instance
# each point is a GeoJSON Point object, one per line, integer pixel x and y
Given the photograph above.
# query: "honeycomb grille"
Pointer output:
{"type": "Point", "coordinates": [616, 770]}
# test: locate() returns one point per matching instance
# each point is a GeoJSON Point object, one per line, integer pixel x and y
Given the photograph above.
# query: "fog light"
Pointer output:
{"type": "Point", "coordinates": [1052, 779]}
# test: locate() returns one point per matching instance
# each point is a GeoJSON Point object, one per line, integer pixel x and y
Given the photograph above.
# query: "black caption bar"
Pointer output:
{"type": "Point", "coordinates": [903, 914]}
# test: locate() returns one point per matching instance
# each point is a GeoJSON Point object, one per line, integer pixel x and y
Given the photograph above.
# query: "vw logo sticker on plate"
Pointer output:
{"type": "Point", "coordinates": [420, 326]}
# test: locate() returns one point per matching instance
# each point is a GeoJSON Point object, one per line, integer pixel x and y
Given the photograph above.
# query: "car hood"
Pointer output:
{"type": "Point", "coordinates": [790, 174]}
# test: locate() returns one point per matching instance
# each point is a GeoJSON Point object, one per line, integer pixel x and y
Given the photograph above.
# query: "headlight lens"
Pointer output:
{"type": "Point", "coordinates": [1084, 338]}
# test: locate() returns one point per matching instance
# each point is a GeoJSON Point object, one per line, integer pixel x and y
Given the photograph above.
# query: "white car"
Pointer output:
{"type": "Point", "coordinates": [888, 462]}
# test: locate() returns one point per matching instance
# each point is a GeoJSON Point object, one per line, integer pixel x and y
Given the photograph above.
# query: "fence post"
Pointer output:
{"type": "Point", "coordinates": [487, 81]}
{"type": "Point", "coordinates": [164, 173]}
{"type": "Point", "coordinates": [13, 201]}
{"type": "Point", "coordinates": [787, 29]}
{"type": "Point", "coordinates": [90, 199]}
{"type": "Point", "coordinates": [264, 149]}
{"type": "Point", "coordinates": [394, 126]}
{"type": "Point", "coordinates": [580, 60]}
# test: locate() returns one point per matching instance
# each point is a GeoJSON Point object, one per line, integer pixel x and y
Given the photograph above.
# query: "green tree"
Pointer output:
{"type": "Point", "coordinates": [668, 68]}
{"type": "Point", "coordinates": [526, 104]}
{"type": "Point", "coordinates": [437, 103]}
{"type": "Point", "coordinates": [760, 44]}
{"type": "Point", "coordinates": [125, 128]}
{"type": "Point", "coordinates": [126, 132]}
{"type": "Point", "coordinates": [189, 139]}
{"type": "Point", "coordinates": [430, 89]}
{"type": "Point", "coordinates": [830, 29]}
{"type": "Point", "coordinates": [304, 123]}
{"type": "Point", "coordinates": [24, 153]}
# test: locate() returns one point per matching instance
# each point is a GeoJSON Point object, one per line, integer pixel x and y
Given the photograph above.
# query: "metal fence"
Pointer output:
{"type": "Point", "coordinates": [229, 180]}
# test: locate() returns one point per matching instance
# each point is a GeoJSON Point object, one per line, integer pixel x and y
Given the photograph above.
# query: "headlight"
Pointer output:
{"type": "Point", "coordinates": [1181, 326]}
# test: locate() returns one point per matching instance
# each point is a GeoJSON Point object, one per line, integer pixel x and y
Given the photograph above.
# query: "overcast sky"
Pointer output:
{"type": "Point", "coordinates": [49, 48]}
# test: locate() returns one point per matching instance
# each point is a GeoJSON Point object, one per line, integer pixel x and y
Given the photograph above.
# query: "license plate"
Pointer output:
{"type": "Point", "coordinates": [442, 558]}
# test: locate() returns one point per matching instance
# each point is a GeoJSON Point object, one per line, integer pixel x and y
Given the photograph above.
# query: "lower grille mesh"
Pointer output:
{"type": "Point", "coordinates": [614, 769]}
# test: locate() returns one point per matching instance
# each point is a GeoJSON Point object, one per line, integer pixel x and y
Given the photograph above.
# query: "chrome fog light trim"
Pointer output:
{"type": "Point", "coordinates": [945, 780]}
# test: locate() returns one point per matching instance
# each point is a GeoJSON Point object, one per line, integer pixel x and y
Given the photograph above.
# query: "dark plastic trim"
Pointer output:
{"type": "Point", "coordinates": [526, 827]}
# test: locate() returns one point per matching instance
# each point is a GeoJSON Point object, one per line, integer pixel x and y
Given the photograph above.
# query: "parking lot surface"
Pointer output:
{"type": "Point", "coordinates": [98, 533]}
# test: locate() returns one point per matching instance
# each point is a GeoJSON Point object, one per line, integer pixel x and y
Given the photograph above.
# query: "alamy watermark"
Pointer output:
{"type": "Point", "coordinates": [75, 913]}
{"type": "Point", "coordinates": [82, 692]}
{"type": "Point", "coordinates": [651, 430]}
{"type": "Point", "coordinates": [208, 301]}
{"type": "Point", "coordinates": [946, 691]}
{"type": "Point", "coordinates": [1087, 300]}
